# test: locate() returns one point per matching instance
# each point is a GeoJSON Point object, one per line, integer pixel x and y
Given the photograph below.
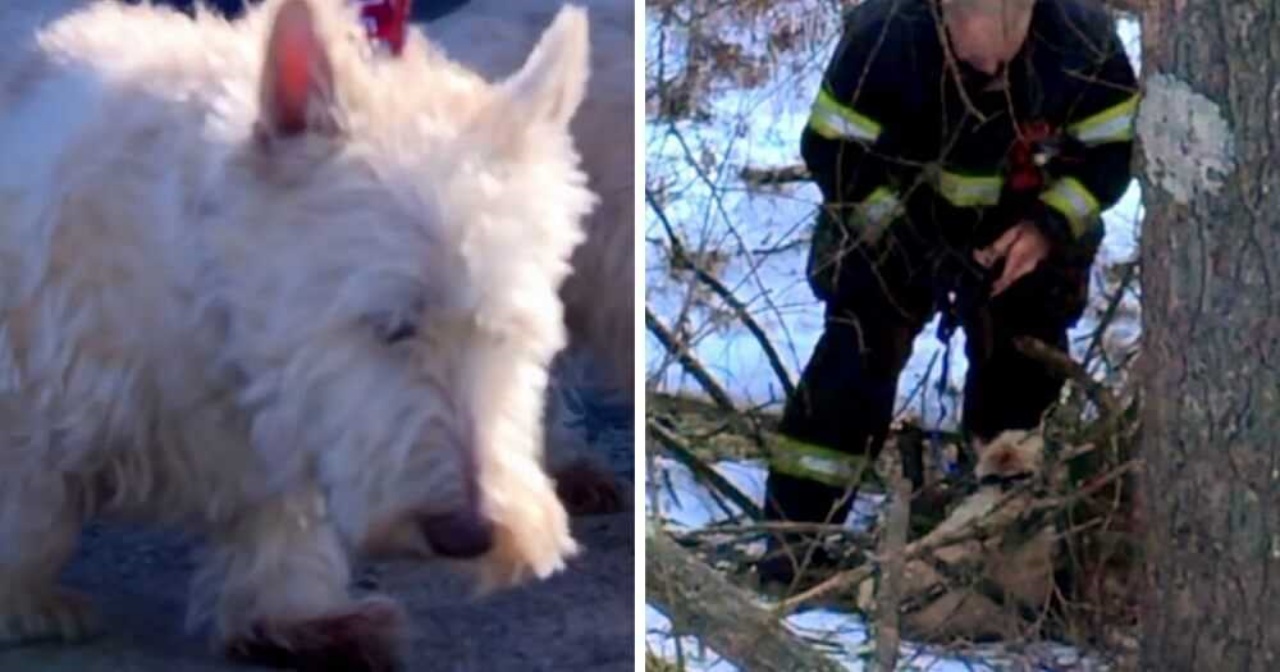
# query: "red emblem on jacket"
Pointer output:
{"type": "Point", "coordinates": [1029, 155]}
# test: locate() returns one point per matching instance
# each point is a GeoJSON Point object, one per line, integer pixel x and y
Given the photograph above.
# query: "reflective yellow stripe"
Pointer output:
{"type": "Point", "coordinates": [834, 121]}
{"type": "Point", "coordinates": [1074, 201]}
{"type": "Point", "coordinates": [967, 191]}
{"type": "Point", "coordinates": [880, 208]}
{"type": "Point", "coordinates": [1114, 124]}
{"type": "Point", "coordinates": [815, 463]}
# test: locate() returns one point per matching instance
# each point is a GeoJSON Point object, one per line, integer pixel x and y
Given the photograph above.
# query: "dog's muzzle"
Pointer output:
{"type": "Point", "coordinates": [459, 534]}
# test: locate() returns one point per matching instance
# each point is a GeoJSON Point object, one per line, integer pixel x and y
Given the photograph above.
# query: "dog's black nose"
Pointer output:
{"type": "Point", "coordinates": [459, 534]}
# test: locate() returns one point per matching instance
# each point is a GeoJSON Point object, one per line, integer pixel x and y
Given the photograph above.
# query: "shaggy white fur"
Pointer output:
{"type": "Point", "coordinates": [260, 282]}
{"type": "Point", "coordinates": [491, 36]}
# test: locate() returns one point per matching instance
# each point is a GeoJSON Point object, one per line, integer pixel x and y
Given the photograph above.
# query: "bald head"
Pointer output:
{"type": "Point", "coordinates": [986, 34]}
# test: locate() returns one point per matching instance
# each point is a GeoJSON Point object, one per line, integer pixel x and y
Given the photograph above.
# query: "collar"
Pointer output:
{"type": "Point", "coordinates": [1003, 482]}
{"type": "Point", "coordinates": [386, 20]}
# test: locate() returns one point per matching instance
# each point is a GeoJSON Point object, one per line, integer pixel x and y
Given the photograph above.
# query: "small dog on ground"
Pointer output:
{"type": "Point", "coordinates": [938, 603]}
{"type": "Point", "coordinates": [259, 281]}
{"type": "Point", "coordinates": [491, 36]}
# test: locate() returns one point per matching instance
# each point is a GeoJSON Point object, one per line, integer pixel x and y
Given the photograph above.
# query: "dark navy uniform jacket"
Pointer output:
{"type": "Point", "coordinates": [896, 134]}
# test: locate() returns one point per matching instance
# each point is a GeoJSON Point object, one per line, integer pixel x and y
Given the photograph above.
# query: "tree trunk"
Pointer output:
{"type": "Point", "coordinates": [1209, 132]}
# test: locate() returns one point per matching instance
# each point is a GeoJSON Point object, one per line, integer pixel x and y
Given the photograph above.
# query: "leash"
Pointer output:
{"type": "Point", "coordinates": [964, 288]}
{"type": "Point", "coordinates": [1037, 146]}
{"type": "Point", "coordinates": [947, 323]}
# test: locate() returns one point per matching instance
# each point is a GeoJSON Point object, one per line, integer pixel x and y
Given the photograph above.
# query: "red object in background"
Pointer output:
{"type": "Point", "coordinates": [386, 21]}
{"type": "Point", "coordinates": [1025, 173]}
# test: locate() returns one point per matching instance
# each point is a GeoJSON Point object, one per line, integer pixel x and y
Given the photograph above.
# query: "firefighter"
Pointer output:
{"type": "Point", "coordinates": [965, 150]}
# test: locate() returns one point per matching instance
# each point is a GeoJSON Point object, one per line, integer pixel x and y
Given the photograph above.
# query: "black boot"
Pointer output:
{"type": "Point", "coordinates": [797, 500]}
{"type": "Point", "coordinates": [791, 563]}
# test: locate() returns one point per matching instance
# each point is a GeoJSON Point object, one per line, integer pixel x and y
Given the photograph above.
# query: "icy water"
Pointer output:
{"type": "Point", "coordinates": [698, 166]}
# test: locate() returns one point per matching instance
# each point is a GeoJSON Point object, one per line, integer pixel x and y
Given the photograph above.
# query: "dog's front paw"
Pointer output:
{"type": "Point", "coordinates": [54, 615]}
{"type": "Point", "coordinates": [587, 489]}
{"type": "Point", "coordinates": [364, 637]}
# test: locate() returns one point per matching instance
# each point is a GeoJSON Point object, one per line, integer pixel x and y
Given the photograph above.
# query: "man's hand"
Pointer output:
{"type": "Point", "coordinates": [1023, 248]}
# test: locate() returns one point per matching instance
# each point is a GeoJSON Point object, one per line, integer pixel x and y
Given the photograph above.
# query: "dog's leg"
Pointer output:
{"type": "Point", "coordinates": [586, 487]}
{"type": "Point", "coordinates": [39, 526]}
{"type": "Point", "coordinates": [584, 484]}
{"type": "Point", "coordinates": [277, 583]}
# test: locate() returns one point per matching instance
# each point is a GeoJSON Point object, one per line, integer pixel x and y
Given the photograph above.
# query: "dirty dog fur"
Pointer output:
{"type": "Point", "coordinates": [491, 36]}
{"type": "Point", "coordinates": [941, 610]}
{"type": "Point", "coordinates": [262, 284]}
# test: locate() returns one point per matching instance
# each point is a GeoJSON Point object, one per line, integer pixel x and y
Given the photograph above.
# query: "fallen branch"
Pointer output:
{"type": "Point", "coordinates": [684, 454]}
{"type": "Point", "coordinates": [780, 527]}
{"type": "Point", "coordinates": [889, 595]}
{"type": "Point", "coordinates": [701, 602]}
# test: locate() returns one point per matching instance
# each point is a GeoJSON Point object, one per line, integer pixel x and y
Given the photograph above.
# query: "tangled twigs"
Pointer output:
{"type": "Point", "coordinates": [976, 529]}
{"type": "Point", "coordinates": [1057, 503]}
{"type": "Point", "coordinates": [680, 258]}
{"type": "Point", "coordinates": [1061, 363]}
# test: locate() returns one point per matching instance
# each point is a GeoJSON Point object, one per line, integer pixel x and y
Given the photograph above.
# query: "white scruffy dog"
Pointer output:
{"type": "Point", "coordinates": [492, 37]}
{"type": "Point", "coordinates": [260, 283]}
{"type": "Point", "coordinates": [944, 609]}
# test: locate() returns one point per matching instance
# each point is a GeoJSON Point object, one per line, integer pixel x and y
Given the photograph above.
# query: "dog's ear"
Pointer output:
{"type": "Point", "coordinates": [296, 94]}
{"type": "Point", "coordinates": [550, 86]}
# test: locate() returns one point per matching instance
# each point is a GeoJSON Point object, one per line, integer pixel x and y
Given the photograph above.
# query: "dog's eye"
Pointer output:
{"type": "Point", "coordinates": [392, 329]}
{"type": "Point", "coordinates": [400, 332]}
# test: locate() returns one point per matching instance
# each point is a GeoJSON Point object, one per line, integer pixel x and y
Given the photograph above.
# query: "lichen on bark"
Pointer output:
{"type": "Point", "coordinates": [1188, 146]}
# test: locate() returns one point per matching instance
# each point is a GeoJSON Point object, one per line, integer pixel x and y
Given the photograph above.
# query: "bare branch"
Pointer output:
{"type": "Point", "coordinates": [1130, 275]}
{"type": "Point", "coordinates": [763, 177]}
{"type": "Point", "coordinates": [1063, 364]}
{"type": "Point", "coordinates": [688, 361]}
